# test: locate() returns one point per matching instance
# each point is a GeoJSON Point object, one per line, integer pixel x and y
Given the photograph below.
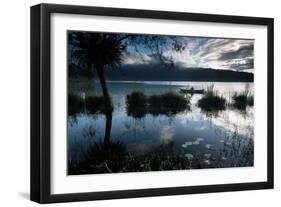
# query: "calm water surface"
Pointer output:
{"type": "Point", "coordinates": [220, 139]}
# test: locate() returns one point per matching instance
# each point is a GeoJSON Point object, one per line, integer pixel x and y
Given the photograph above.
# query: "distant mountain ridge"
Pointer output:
{"type": "Point", "coordinates": [160, 73]}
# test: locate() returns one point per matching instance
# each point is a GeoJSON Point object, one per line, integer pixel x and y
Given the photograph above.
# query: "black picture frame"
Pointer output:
{"type": "Point", "coordinates": [41, 96]}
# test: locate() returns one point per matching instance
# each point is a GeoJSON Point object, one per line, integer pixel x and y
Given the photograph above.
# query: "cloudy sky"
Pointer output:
{"type": "Point", "coordinates": [217, 53]}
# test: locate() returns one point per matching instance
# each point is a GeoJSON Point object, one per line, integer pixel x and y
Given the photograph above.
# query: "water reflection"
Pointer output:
{"type": "Point", "coordinates": [119, 141]}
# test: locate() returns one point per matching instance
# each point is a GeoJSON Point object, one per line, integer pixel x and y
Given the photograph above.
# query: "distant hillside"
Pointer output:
{"type": "Point", "coordinates": [158, 73]}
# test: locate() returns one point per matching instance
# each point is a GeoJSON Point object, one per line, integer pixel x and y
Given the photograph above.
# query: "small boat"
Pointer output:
{"type": "Point", "coordinates": [191, 90]}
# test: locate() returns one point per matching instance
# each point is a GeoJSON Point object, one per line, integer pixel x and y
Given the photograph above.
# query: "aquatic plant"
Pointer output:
{"type": "Point", "coordinates": [138, 104]}
{"type": "Point", "coordinates": [97, 104]}
{"type": "Point", "coordinates": [211, 101]}
{"type": "Point", "coordinates": [189, 156]}
{"type": "Point", "coordinates": [186, 144]}
{"type": "Point", "coordinates": [75, 103]}
{"type": "Point", "coordinates": [200, 139]}
{"type": "Point", "coordinates": [237, 151]}
{"type": "Point", "coordinates": [101, 158]}
{"type": "Point", "coordinates": [89, 104]}
{"type": "Point", "coordinates": [244, 99]}
{"type": "Point", "coordinates": [167, 103]}
{"type": "Point", "coordinates": [241, 101]}
{"type": "Point", "coordinates": [208, 146]}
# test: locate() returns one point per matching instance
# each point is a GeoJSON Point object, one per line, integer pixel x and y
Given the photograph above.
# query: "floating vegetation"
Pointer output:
{"type": "Point", "coordinates": [196, 142]}
{"type": "Point", "coordinates": [208, 162]}
{"type": "Point", "coordinates": [238, 150]}
{"type": "Point", "coordinates": [228, 143]}
{"type": "Point", "coordinates": [189, 156]}
{"type": "Point", "coordinates": [186, 144]}
{"type": "Point", "coordinates": [206, 143]}
{"type": "Point", "coordinates": [208, 146]}
{"type": "Point", "coordinates": [189, 143]}
{"type": "Point", "coordinates": [199, 139]}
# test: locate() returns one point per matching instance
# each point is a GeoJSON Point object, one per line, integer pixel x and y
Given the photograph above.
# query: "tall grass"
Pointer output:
{"type": "Point", "coordinates": [89, 104]}
{"type": "Point", "coordinates": [138, 104]}
{"type": "Point", "coordinates": [244, 99]}
{"type": "Point", "coordinates": [101, 158]}
{"type": "Point", "coordinates": [75, 104]}
{"type": "Point", "coordinates": [211, 101]}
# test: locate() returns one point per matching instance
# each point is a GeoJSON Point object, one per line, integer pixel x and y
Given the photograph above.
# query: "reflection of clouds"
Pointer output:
{"type": "Point", "coordinates": [236, 121]}
{"type": "Point", "coordinates": [230, 119]}
{"type": "Point", "coordinates": [82, 131]}
{"type": "Point", "coordinates": [166, 134]}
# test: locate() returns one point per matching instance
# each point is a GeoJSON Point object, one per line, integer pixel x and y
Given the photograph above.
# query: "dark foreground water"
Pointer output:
{"type": "Point", "coordinates": [191, 139]}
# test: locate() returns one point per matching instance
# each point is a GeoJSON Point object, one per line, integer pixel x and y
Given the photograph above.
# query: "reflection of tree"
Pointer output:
{"type": "Point", "coordinates": [107, 132]}
{"type": "Point", "coordinates": [109, 153]}
{"type": "Point", "coordinates": [102, 157]}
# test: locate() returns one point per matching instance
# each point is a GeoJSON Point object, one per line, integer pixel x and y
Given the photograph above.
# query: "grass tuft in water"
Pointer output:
{"type": "Point", "coordinates": [244, 99]}
{"type": "Point", "coordinates": [89, 104]}
{"type": "Point", "coordinates": [138, 104]}
{"type": "Point", "coordinates": [211, 101]}
{"type": "Point", "coordinates": [75, 104]}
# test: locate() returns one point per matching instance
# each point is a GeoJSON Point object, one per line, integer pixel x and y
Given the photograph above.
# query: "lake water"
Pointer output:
{"type": "Point", "coordinates": [190, 139]}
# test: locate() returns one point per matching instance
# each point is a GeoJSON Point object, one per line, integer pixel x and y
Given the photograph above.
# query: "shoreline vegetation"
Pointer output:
{"type": "Point", "coordinates": [237, 151]}
{"type": "Point", "coordinates": [138, 104]}
{"type": "Point", "coordinates": [244, 99]}
{"type": "Point", "coordinates": [169, 103]}
{"type": "Point", "coordinates": [211, 101]}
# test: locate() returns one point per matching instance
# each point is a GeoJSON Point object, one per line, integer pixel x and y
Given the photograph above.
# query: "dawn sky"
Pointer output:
{"type": "Point", "coordinates": [233, 54]}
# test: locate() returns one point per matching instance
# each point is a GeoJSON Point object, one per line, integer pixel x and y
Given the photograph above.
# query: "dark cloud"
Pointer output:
{"type": "Point", "coordinates": [213, 45]}
{"type": "Point", "coordinates": [204, 52]}
{"type": "Point", "coordinates": [244, 51]}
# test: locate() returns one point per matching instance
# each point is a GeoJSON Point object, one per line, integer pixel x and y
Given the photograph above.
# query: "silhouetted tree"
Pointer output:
{"type": "Point", "coordinates": [97, 51]}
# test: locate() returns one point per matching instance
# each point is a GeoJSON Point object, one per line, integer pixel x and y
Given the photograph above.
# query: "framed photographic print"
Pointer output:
{"type": "Point", "coordinates": [132, 103]}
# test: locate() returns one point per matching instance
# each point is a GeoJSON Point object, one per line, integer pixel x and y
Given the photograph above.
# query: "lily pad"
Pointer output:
{"type": "Point", "coordinates": [228, 143]}
{"type": "Point", "coordinates": [195, 142]}
{"type": "Point", "coordinates": [186, 144]}
{"type": "Point", "coordinates": [208, 162]}
{"type": "Point", "coordinates": [208, 146]}
{"type": "Point", "coordinates": [199, 139]}
{"type": "Point", "coordinates": [189, 156]}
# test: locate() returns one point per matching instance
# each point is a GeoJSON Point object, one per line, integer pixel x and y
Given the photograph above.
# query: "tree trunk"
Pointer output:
{"type": "Point", "coordinates": [107, 133]}
{"type": "Point", "coordinates": [108, 105]}
{"type": "Point", "coordinates": [89, 80]}
{"type": "Point", "coordinates": [100, 72]}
